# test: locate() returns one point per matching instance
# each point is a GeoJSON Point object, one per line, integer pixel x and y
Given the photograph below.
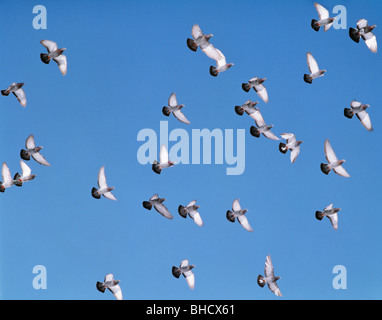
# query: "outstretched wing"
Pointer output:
{"type": "Point", "coordinates": [181, 117]}
{"type": "Point", "coordinates": [49, 45]}
{"type": "Point", "coordinates": [40, 159]}
{"type": "Point", "coordinates": [329, 152]}
{"type": "Point", "coordinates": [364, 117]}
{"type": "Point", "coordinates": [323, 13]}
{"type": "Point", "coordinates": [196, 31]}
{"type": "Point", "coordinates": [62, 63]}
{"type": "Point", "coordinates": [163, 155]}
{"type": "Point", "coordinates": [312, 63]}
{"type": "Point", "coordinates": [21, 97]}
{"type": "Point", "coordinates": [102, 178]}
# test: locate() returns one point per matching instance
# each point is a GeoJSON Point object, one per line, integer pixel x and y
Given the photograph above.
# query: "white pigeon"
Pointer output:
{"type": "Point", "coordinates": [315, 71]}
{"type": "Point", "coordinates": [26, 175]}
{"type": "Point", "coordinates": [257, 85]}
{"type": "Point", "coordinates": [104, 189]}
{"type": "Point", "coordinates": [32, 150]}
{"type": "Point", "coordinates": [191, 210]}
{"type": "Point", "coordinates": [291, 144]}
{"type": "Point", "coordinates": [333, 162]}
{"type": "Point", "coordinates": [55, 54]}
{"type": "Point", "coordinates": [365, 31]}
{"type": "Point", "coordinates": [185, 269]}
{"type": "Point", "coordinates": [7, 178]}
{"type": "Point", "coordinates": [324, 21]}
{"type": "Point", "coordinates": [158, 206]}
{"type": "Point", "coordinates": [331, 213]}
{"type": "Point", "coordinates": [359, 109]}
{"type": "Point", "coordinates": [262, 127]}
{"type": "Point", "coordinates": [238, 213]}
{"type": "Point", "coordinates": [164, 161]}
{"type": "Point", "coordinates": [269, 278]}
{"type": "Point", "coordinates": [175, 109]}
{"type": "Point", "coordinates": [112, 285]}
{"type": "Point", "coordinates": [19, 93]}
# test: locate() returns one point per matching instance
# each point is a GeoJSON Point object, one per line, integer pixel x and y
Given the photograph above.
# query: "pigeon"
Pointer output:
{"type": "Point", "coordinates": [269, 278]}
{"type": "Point", "coordinates": [262, 127]}
{"type": "Point", "coordinates": [248, 107]}
{"type": "Point", "coordinates": [324, 21]}
{"type": "Point", "coordinates": [26, 175]}
{"type": "Point", "coordinates": [191, 210]}
{"type": "Point", "coordinates": [55, 54]}
{"type": "Point", "coordinates": [221, 64]}
{"type": "Point", "coordinates": [315, 71]}
{"type": "Point", "coordinates": [104, 189]}
{"type": "Point", "coordinates": [7, 178]}
{"type": "Point", "coordinates": [158, 205]}
{"type": "Point", "coordinates": [257, 85]}
{"type": "Point", "coordinates": [174, 108]}
{"type": "Point", "coordinates": [334, 163]}
{"type": "Point", "coordinates": [112, 285]}
{"type": "Point", "coordinates": [238, 213]}
{"type": "Point", "coordinates": [359, 110]}
{"type": "Point", "coordinates": [291, 144]}
{"type": "Point", "coordinates": [365, 31]}
{"type": "Point", "coordinates": [32, 150]}
{"type": "Point", "coordinates": [185, 269]}
{"type": "Point", "coordinates": [164, 161]}
{"type": "Point", "coordinates": [19, 93]}
{"type": "Point", "coordinates": [331, 213]}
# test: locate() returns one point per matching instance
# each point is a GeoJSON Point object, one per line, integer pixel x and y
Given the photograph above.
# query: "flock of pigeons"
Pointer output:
{"type": "Point", "coordinates": [202, 41]}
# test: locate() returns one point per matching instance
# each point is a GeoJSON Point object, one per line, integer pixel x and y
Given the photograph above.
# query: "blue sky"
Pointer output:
{"type": "Point", "coordinates": [124, 60]}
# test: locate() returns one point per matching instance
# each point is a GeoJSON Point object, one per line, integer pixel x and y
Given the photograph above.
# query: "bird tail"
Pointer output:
{"type": "Point", "coordinates": [166, 111]}
{"type": "Point", "coordinates": [100, 287]}
{"type": "Point", "coordinates": [239, 110]}
{"type": "Point", "coordinates": [191, 44]}
{"type": "Point", "coordinates": [17, 181]}
{"type": "Point", "coordinates": [147, 205]}
{"type": "Point", "coordinates": [230, 216]}
{"type": "Point", "coordinates": [261, 281]}
{"type": "Point", "coordinates": [354, 34]}
{"type": "Point", "coordinates": [182, 211]}
{"type": "Point", "coordinates": [45, 58]}
{"type": "Point", "coordinates": [156, 168]}
{"type": "Point", "coordinates": [214, 71]}
{"type": "Point", "coordinates": [308, 78]}
{"type": "Point", "coordinates": [176, 272]}
{"type": "Point", "coordinates": [246, 86]}
{"type": "Point", "coordinates": [315, 25]}
{"type": "Point", "coordinates": [254, 131]}
{"type": "Point", "coordinates": [2, 189]}
{"type": "Point", "coordinates": [348, 113]}
{"type": "Point", "coordinates": [325, 168]}
{"type": "Point", "coordinates": [95, 193]}
{"type": "Point", "coordinates": [319, 215]}
{"type": "Point", "coordinates": [4, 92]}
{"type": "Point", "coordinates": [282, 147]}
{"type": "Point", "coordinates": [25, 155]}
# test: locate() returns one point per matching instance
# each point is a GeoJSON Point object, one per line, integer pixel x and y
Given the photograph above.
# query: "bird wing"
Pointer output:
{"type": "Point", "coordinates": [268, 270]}
{"type": "Point", "coordinates": [102, 178]}
{"type": "Point", "coordinates": [371, 41]}
{"type": "Point", "coordinates": [312, 63]}
{"type": "Point", "coordinates": [26, 171]}
{"type": "Point", "coordinates": [364, 117]}
{"type": "Point", "coordinates": [163, 155]}
{"type": "Point", "coordinates": [172, 102]}
{"type": "Point", "coordinates": [195, 215]}
{"type": "Point", "coordinates": [341, 171]}
{"type": "Point", "coordinates": [334, 220]}
{"type": "Point", "coordinates": [62, 63]}
{"type": "Point", "coordinates": [191, 203]}
{"type": "Point", "coordinates": [184, 263]}
{"type": "Point", "coordinates": [361, 23]}
{"type": "Point", "coordinates": [109, 277]}
{"type": "Point", "coordinates": [236, 205]}
{"type": "Point", "coordinates": [275, 288]}
{"type": "Point", "coordinates": [221, 61]}
{"type": "Point", "coordinates": [21, 97]}
{"type": "Point", "coordinates": [116, 291]}
{"type": "Point", "coordinates": [180, 116]}
{"type": "Point", "coordinates": [29, 143]}
{"type": "Point", "coordinates": [323, 13]}
{"type": "Point", "coordinates": [40, 159]}
{"type": "Point", "coordinates": [49, 45]}
{"type": "Point", "coordinates": [270, 135]}
{"type": "Point", "coordinates": [213, 53]}
{"type": "Point", "coordinates": [6, 174]}
{"type": "Point", "coordinates": [196, 31]}
{"type": "Point", "coordinates": [329, 207]}
{"type": "Point", "coordinates": [294, 153]}
{"type": "Point", "coordinates": [154, 197]}
{"type": "Point", "coordinates": [161, 208]}
{"type": "Point", "coordinates": [258, 119]}
{"type": "Point", "coordinates": [190, 277]}
{"type": "Point", "coordinates": [355, 104]}
{"type": "Point", "coordinates": [289, 137]}
{"type": "Point", "coordinates": [262, 92]}
{"type": "Point", "coordinates": [329, 152]}
{"type": "Point", "coordinates": [244, 222]}
{"type": "Point", "coordinates": [109, 195]}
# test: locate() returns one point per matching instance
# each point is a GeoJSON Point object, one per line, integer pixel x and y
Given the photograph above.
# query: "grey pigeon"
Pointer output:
{"type": "Point", "coordinates": [164, 161]}
{"type": "Point", "coordinates": [333, 162]}
{"type": "Point", "coordinates": [19, 93]}
{"type": "Point", "coordinates": [331, 213]}
{"type": "Point", "coordinates": [7, 178]}
{"type": "Point", "coordinates": [269, 278]}
{"type": "Point", "coordinates": [112, 285]}
{"type": "Point", "coordinates": [191, 210]}
{"type": "Point", "coordinates": [104, 189]}
{"type": "Point", "coordinates": [257, 85]}
{"type": "Point", "coordinates": [55, 54]}
{"type": "Point", "coordinates": [175, 109]}
{"type": "Point", "coordinates": [32, 150]}
{"type": "Point", "coordinates": [248, 107]}
{"type": "Point", "coordinates": [291, 144]}
{"type": "Point", "coordinates": [221, 64]}
{"type": "Point", "coordinates": [315, 71]}
{"type": "Point", "coordinates": [365, 31]}
{"type": "Point", "coordinates": [185, 269]}
{"type": "Point", "coordinates": [262, 127]}
{"type": "Point", "coordinates": [238, 213]}
{"type": "Point", "coordinates": [359, 109]}
{"type": "Point", "coordinates": [324, 19]}
{"type": "Point", "coordinates": [26, 175]}
{"type": "Point", "coordinates": [158, 205]}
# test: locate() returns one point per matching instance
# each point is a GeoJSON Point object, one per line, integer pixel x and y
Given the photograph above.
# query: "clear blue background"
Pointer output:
{"type": "Point", "coordinates": [124, 60]}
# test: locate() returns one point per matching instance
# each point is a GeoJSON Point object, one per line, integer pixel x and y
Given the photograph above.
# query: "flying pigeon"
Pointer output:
{"type": "Point", "coordinates": [112, 285]}
{"type": "Point", "coordinates": [334, 163]}
{"type": "Point", "coordinates": [174, 108]}
{"type": "Point", "coordinates": [191, 210]}
{"type": "Point", "coordinates": [32, 150]}
{"type": "Point", "coordinates": [7, 178]}
{"type": "Point", "coordinates": [185, 270]}
{"type": "Point", "coordinates": [26, 175]}
{"type": "Point", "coordinates": [158, 205]}
{"type": "Point", "coordinates": [359, 110]}
{"type": "Point", "coordinates": [331, 213]}
{"type": "Point", "coordinates": [248, 107]}
{"type": "Point", "coordinates": [221, 64]}
{"type": "Point", "coordinates": [238, 213]}
{"type": "Point", "coordinates": [324, 21]}
{"type": "Point", "coordinates": [365, 31]}
{"type": "Point", "coordinates": [269, 278]}
{"type": "Point", "coordinates": [19, 93]}
{"type": "Point", "coordinates": [164, 162]}
{"type": "Point", "coordinates": [257, 85]}
{"type": "Point", "coordinates": [55, 54]}
{"type": "Point", "coordinates": [262, 127]}
{"type": "Point", "coordinates": [315, 71]}
{"type": "Point", "coordinates": [104, 189]}
{"type": "Point", "coordinates": [291, 144]}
